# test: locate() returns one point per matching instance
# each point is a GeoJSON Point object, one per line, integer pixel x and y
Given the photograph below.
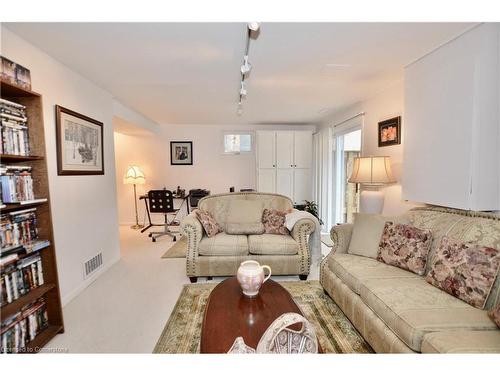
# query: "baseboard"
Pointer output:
{"type": "Point", "coordinates": [86, 283]}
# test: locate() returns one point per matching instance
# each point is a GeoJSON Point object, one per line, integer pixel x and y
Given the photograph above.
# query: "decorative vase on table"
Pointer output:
{"type": "Point", "coordinates": [251, 276]}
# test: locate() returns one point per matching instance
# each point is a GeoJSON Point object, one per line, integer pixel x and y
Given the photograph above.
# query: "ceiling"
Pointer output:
{"type": "Point", "coordinates": [189, 72]}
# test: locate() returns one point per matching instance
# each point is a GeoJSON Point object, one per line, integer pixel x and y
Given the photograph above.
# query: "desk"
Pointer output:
{"type": "Point", "coordinates": [150, 223]}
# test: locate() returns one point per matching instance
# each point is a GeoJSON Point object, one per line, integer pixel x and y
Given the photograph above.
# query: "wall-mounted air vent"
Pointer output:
{"type": "Point", "coordinates": [92, 265]}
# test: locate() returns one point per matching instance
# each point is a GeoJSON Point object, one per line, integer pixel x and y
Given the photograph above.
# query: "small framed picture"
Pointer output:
{"type": "Point", "coordinates": [181, 153]}
{"type": "Point", "coordinates": [389, 132]}
{"type": "Point", "coordinates": [23, 77]}
{"type": "Point", "coordinates": [79, 144]}
{"type": "Point", "coordinates": [8, 70]}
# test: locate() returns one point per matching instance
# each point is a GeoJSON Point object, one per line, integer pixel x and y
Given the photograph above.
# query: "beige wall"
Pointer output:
{"type": "Point", "coordinates": [84, 208]}
{"type": "Point", "coordinates": [210, 170]}
{"type": "Point", "coordinates": [386, 104]}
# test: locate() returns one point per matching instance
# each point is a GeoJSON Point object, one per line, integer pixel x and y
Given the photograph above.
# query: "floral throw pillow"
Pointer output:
{"type": "Point", "coordinates": [274, 221]}
{"type": "Point", "coordinates": [494, 314]}
{"type": "Point", "coordinates": [405, 246]}
{"type": "Point", "coordinates": [208, 222]}
{"type": "Point", "coordinates": [464, 270]}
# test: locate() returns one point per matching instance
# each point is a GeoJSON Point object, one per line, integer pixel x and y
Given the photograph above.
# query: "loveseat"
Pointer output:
{"type": "Point", "coordinates": [397, 311]}
{"type": "Point", "coordinates": [222, 254]}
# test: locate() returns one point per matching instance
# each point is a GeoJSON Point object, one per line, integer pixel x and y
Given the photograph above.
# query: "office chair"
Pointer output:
{"type": "Point", "coordinates": [162, 201]}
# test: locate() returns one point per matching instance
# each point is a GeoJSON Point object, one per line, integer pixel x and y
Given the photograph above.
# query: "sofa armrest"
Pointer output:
{"type": "Point", "coordinates": [341, 237]}
{"type": "Point", "coordinates": [302, 227]}
{"type": "Point", "coordinates": [300, 232]}
{"type": "Point", "coordinates": [192, 229]}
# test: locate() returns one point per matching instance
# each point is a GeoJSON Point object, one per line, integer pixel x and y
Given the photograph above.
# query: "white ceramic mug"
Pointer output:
{"type": "Point", "coordinates": [251, 277]}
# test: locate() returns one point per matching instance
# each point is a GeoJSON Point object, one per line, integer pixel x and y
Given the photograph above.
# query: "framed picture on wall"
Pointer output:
{"type": "Point", "coordinates": [79, 144]}
{"type": "Point", "coordinates": [389, 132]}
{"type": "Point", "coordinates": [181, 153]}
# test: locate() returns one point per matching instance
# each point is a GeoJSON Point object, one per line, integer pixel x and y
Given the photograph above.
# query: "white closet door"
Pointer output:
{"type": "Point", "coordinates": [266, 151]}
{"type": "Point", "coordinates": [302, 185]}
{"type": "Point", "coordinates": [303, 144]}
{"type": "Point", "coordinates": [284, 149]}
{"type": "Point", "coordinates": [266, 178]}
{"type": "Point", "coordinates": [284, 182]}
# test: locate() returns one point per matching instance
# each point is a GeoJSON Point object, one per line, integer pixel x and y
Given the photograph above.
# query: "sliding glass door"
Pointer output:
{"type": "Point", "coordinates": [347, 146]}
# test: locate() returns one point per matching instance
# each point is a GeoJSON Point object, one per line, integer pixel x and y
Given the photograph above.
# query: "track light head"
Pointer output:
{"type": "Point", "coordinates": [243, 89]}
{"type": "Point", "coordinates": [253, 26]}
{"type": "Point", "coordinates": [246, 67]}
{"type": "Point", "coordinates": [239, 110]}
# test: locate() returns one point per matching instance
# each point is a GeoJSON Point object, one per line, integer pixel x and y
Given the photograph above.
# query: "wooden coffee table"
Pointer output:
{"type": "Point", "coordinates": [230, 314]}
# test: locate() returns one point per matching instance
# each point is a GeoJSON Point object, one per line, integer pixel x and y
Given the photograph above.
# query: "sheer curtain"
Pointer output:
{"type": "Point", "coordinates": [322, 177]}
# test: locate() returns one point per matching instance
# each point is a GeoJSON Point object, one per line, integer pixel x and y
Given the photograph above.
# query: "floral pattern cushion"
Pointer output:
{"type": "Point", "coordinates": [208, 222]}
{"type": "Point", "coordinates": [274, 221]}
{"type": "Point", "coordinates": [465, 270]}
{"type": "Point", "coordinates": [405, 246]}
{"type": "Point", "coordinates": [494, 314]}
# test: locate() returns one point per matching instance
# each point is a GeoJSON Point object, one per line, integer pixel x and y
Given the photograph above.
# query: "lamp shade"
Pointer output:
{"type": "Point", "coordinates": [134, 175]}
{"type": "Point", "coordinates": [372, 170]}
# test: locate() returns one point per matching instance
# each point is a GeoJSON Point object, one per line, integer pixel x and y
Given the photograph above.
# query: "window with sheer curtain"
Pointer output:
{"type": "Point", "coordinates": [237, 143]}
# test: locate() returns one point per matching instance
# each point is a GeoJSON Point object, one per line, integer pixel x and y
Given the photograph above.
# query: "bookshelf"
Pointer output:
{"type": "Point", "coordinates": [50, 288]}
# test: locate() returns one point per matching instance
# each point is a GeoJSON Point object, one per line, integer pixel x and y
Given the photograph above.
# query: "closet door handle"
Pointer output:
{"type": "Point", "coordinates": [274, 165]}
{"type": "Point", "coordinates": [291, 165]}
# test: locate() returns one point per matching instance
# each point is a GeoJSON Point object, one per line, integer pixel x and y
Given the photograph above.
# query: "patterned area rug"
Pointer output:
{"type": "Point", "coordinates": [335, 332]}
{"type": "Point", "coordinates": [177, 250]}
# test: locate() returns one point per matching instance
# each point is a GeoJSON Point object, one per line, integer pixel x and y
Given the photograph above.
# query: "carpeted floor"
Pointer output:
{"type": "Point", "coordinates": [335, 332]}
{"type": "Point", "coordinates": [177, 250]}
{"type": "Point", "coordinates": [325, 238]}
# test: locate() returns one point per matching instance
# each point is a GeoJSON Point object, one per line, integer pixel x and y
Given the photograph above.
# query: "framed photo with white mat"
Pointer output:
{"type": "Point", "coordinates": [79, 141]}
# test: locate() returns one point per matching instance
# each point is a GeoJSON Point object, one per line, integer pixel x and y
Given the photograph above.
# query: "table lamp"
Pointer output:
{"type": "Point", "coordinates": [135, 176]}
{"type": "Point", "coordinates": [372, 172]}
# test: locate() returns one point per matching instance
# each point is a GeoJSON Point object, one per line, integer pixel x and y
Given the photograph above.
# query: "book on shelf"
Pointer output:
{"type": "Point", "coordinates": [14, 129]}
{"type": "Point", "coordinates": [16, 184]}
{"type": "Point", "coordinates": [22, 328]}
{"type": "Point", "coordinates": [18, 228]}
{"type": "Point", "coordinates": [19, 278]}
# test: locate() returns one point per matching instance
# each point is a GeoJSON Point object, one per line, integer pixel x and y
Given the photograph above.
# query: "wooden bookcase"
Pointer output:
{"type": "Point", "coordinates": [37, 160]}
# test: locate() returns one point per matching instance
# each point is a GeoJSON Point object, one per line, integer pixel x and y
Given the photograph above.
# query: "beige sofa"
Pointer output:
{"type": "Point", "coordinates": [222, 254]}
{"type": "Point", "coordinates": [399, 312]}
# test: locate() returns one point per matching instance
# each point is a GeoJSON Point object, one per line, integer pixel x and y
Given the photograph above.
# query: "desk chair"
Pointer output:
{"type": "Point", "coordinates": [162, 201]}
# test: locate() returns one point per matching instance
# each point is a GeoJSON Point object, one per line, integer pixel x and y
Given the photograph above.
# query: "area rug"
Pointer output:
{"type": "Point", "coordinates": [335, 332]}
{"type": "Point", "coordinates": [177, 250]}
{"type": "Point", "coordinates": [325, 238]}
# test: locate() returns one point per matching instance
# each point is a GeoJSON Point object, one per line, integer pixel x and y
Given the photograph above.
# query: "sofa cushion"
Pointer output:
{"type": "Point", "coordinates": [405, 246]}
{"type": "Point", "coordinates": [274, 221]}
{"type": "Point", "coordinates": [366, 233]}
{"type": "Point", "coordinates": [208, 222]}
{"type": "Point", "coordinates": [272, 244]}
{"type": "Point", "coordinates": [411, 308]}
{"type": "Point", "coordinates": [466, 271]}
{"type": "Point", "coordinates": [462, 342]}
{"type": "Point", "coordinates": [244, 217]}
{"type": "Point", "coordinates": [353, 270]}
{"type": "Point", "coordinates": [494, 314]}
{"type": "Point", "coordinates": [224, 244]}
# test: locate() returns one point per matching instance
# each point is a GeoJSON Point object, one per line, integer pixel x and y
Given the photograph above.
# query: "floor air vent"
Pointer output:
{"type": "Point", "coordinates": [91, 265]}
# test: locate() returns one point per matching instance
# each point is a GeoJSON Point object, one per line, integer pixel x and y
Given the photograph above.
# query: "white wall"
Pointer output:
{"type": "Point", "coordinates": [83, 207]}
{"type": "Point", "coordinates": [210, 170]}
{"type": "Point", "coordinates": [386, 104]}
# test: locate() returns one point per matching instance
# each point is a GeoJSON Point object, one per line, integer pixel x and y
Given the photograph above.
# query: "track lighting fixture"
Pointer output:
{"type": "Point", "coordinates": [243, 89]}
{"type": "Point", "coordinates": [246, 67]}
{"type": "Point", "coordinates": [254, 26]}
